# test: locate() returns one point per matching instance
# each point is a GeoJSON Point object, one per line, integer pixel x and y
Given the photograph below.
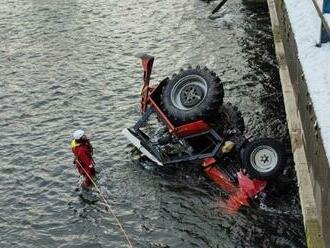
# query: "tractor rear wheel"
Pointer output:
{"type": "Point", "coordinates": [192, 94]}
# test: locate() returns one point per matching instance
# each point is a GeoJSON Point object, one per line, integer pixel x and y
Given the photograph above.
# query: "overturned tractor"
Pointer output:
{"type": "Point", "coordinates": [197, 126]}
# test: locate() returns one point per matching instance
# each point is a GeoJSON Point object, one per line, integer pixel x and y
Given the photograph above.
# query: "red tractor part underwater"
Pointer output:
{"type": "Point", "coordinates": [199, 127]}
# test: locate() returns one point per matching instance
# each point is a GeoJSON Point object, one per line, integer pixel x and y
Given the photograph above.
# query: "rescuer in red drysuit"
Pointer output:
{"type": "Point", "coordinates": [83, 152]}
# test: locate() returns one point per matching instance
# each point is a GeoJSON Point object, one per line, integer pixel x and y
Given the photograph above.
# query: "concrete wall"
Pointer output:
{"type": "Point", "coordinates": [317, 161]}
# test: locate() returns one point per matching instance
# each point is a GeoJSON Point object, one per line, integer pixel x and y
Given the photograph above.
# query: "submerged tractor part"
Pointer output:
{"type": "Point", "coordinates": [217, 176]}
{"type": "Point", "coordinates": [229, 118]}
{"type": "Point", "coordinates": [239, 193]}
{"type": "Point", "coordinates": [137, 143]}
{"type": "Point", "coordinates": [197, 140]}
{"type": "Point", "coordinates": [248, 189]}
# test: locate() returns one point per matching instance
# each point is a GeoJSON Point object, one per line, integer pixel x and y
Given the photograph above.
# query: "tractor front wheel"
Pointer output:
{"type": "Point", "coordinates": [264, 158]}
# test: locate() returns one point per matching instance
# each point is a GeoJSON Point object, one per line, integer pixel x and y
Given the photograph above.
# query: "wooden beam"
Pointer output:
{"type": "Point", "coordinates": [325, 27]}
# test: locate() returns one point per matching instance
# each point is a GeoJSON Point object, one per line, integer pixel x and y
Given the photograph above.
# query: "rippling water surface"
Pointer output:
{"type": "Point", "coordinates": [69, 64]}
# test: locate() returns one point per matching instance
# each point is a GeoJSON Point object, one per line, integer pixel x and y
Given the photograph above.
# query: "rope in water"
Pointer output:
{"type": "Point", "coordinates": [108, 205]}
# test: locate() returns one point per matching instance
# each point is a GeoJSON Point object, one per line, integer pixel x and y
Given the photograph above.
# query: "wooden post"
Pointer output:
{"type": "Point", "coordinates": [326, 10]}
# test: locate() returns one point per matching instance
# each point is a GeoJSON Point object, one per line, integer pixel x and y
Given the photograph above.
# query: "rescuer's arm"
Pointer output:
{"type": "Point", "coordinates": [78, 163]}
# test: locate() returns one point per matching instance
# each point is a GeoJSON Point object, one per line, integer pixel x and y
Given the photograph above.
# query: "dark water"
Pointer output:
{"type": "Point", "coordinates": [69, 64]}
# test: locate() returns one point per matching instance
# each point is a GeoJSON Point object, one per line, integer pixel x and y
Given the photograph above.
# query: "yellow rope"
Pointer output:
{"type": "Point", "coordinates": [108, 205]}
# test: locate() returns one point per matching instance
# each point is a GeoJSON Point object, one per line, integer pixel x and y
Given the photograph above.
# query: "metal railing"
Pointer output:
{"type": "Point", "coordinates": [325, 21]}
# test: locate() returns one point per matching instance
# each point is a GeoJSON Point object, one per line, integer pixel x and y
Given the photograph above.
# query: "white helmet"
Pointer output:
{"type": "Point", "coordinates": [78, 134]}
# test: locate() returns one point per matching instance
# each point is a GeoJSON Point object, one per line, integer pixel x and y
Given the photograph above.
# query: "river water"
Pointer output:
{"type": "Point", "coordinates": [66, 65]}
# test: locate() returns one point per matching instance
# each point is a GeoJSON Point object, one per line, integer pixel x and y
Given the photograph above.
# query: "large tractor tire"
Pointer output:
{"type": "Point", "coordinates": [264, 158]}
{"type": "Point", "coordinates": [229, 118]}
{"type": "Point", "coordinates": [192, 94]}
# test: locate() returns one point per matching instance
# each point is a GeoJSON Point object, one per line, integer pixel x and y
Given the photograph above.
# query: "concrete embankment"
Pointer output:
{"type": "Point", "coordinates": [312, 165]}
